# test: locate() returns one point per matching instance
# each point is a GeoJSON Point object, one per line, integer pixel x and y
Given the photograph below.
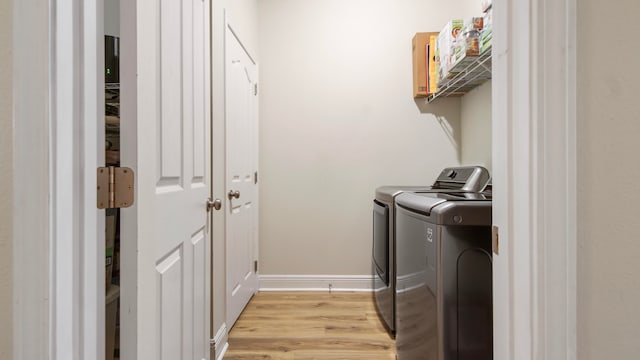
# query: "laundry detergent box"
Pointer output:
{"type": "Point", "coordinates": [486, 35]}
{"type": "Point", "coordinates": [486, 40]}
{"type": "Point", "coordinates": [487, 20]}
{"type": "Point", "coordinates": [468, 40]}
{"type": "Point", "coordinates": [445, 47]}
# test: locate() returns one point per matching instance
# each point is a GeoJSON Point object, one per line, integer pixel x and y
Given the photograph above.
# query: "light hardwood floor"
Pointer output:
{"type": "Point", "coordinates": [310, 325]}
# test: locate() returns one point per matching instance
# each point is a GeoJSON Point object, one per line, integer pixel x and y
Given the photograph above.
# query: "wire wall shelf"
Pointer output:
{"type": "Point", "coordinates": [468, 73]}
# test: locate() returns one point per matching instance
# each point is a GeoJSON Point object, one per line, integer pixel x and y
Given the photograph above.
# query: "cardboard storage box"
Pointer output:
{"type": "Point", "coordinates": [487, 19]}
{"type": "Point", "coordinates": [420, 63]}
{"type": "Point", "coordinates": [487, 31]}
{"type": "Point", "coordinates": [432, 79]}
{"type": "Point", "coordinates": [485, 40]}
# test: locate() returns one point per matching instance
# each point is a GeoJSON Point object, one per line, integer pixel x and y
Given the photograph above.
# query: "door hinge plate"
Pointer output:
{"type": "Point", "coordinates": [255, 266]}
{"type": "Point", "coordinates": [255, 177]}
{"type": "Point", "coordinates": [495, 239]}
{"type": "Point", "coordinates": [115, 187]}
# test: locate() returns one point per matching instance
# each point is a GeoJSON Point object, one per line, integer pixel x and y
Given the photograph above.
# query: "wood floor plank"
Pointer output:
{"type": "Point", "coordinates": [343, 355]}
{"type": "Point", "coordinates": [251, 355]}
{"type": "Point", "coordinates": [310, 325]}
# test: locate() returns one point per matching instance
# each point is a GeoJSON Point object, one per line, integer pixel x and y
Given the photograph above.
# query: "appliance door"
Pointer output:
{"type": "Point", "coordinates": [381, 241]}
{"type": "Point", "coordinates": [467, 298]}
{"type": "Point", "coordinates": [382, 264]}
{"type": "Point", "coordinates": [417, 245]}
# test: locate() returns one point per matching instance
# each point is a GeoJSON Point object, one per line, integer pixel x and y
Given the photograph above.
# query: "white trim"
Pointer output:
{"type": "Point", "coordinates": [65, 259]}
{"type": "Point", "coordinates": [316, 282]}
{"type": "Point", "coordinates": [534, 157]}
{"type": "Point", "coordinates": [220, 342]}
{"type": "Point", "coordinates": [502, 304]}
{"type": "Point", "coordinates": [129, 157]}
{"type": "Point", "coordinates": [90, 143]}
{"type": "Point", "coordinates": [77, 235]}
{"type": "Point", "coordinates": [56, 296]}
{"type": "Point", "coordinates": [555, 192]}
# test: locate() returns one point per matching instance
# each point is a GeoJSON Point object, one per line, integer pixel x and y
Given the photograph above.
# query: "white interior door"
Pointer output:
{"type": "Point", "coordinates": [165, 92]}
{"type": "Point", "coordinates": [241, 178]}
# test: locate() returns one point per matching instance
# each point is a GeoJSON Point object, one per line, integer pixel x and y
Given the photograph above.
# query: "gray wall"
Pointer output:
{"type": "Point", "coordinates": [338, 120]}
{"type": "Point", "coordinates": [112, 17]}
{"type": "Point", "coordinates": [6, 180]}
{"type": "Point", "coordinates": [608, 188]}
{"type": "Point", "coordinates": [243, 15]}
{"type": "Point", "coordinates": [475, 121]}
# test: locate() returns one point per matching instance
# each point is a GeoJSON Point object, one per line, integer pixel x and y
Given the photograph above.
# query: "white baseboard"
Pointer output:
{"type": "Point", "coordinates": [220, 343]}
{"type": "Point", "coordinates": [316, 282]}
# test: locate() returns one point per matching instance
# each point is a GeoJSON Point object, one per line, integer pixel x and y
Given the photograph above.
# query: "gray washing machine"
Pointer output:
{"type": "Point", "coordinates": [465, 179]}
{"type": "Point", "coordinates": [443, 276]}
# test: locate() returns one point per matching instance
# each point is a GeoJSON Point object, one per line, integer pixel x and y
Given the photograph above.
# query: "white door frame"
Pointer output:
{"type": "Point", "coordinates": [534, 157]}
{"type": "Point", "coordinates": [77, 226]}
{"type": "Point", "coordinates": [59, 248]}
{"type": "Point", "coordinates": [129, 220]}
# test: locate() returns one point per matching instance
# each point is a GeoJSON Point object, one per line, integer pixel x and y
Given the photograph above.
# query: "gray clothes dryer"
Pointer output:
{"type": "Point", "coordinates": [443, 276]}
{"type": "Point", "coordinates": [466, 179]}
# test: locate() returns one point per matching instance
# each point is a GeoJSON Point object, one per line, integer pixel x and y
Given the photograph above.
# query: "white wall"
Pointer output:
{"type": "Point", "coordinates": [338, 120]}
{"type": "Point", "coordinates": [608, 172]}
{"type": "Point", "coordinates": [6, 180]}
{"type": "Point", "coordinates": [475, 123]}
{"type": "Point", "coordinates": [244, 15]}
{"type": "Point", "coordinates": [31, 181]}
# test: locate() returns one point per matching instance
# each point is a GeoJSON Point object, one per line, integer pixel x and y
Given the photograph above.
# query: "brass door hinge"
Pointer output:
{"type": "Point", "coordinates": [115, 187]}
{"type": "Point", "coordinates": [495, 236]}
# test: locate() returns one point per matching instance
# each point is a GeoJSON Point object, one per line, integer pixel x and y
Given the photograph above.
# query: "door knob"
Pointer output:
{"type": "Point", "coordinates": [213, 204]}
{"type": "Point", "coordinates": [233, 194]}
